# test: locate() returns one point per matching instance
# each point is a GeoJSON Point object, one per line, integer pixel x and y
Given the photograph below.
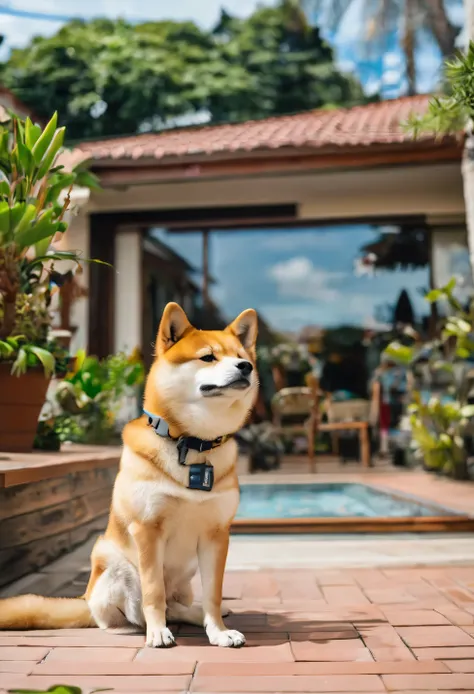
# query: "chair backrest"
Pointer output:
{"type": "Point", "coordinates": [293, 401]}
{"type": "Point", "coordinates": [349, 410]}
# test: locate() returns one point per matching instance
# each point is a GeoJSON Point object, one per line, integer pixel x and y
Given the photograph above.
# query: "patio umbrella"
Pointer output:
{"type": "Point", "coordinates": [405, 248]}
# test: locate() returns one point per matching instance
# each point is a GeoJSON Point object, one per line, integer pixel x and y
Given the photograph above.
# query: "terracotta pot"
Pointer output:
{"type": "Point", "coordinates": [21, 400]}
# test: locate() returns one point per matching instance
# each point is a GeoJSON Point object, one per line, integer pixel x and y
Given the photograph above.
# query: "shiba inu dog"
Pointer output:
{"type": "Point", "coordinates": [175, 495]}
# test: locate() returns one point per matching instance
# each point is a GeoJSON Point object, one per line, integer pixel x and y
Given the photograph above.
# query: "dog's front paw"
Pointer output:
{"type": "Point", "coordinates": [225, 639]}
{"type": "Point", "coordinates": [157, 637]}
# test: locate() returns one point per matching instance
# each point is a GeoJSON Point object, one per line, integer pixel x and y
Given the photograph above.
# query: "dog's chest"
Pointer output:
{"type": "Point", "coordinates": [167, 496]}
{"type": "Point", "coordinates": [192, 522]}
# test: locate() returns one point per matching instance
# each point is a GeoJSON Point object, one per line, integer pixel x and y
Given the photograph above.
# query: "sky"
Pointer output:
{"type": "Point", "coordinates": [383, 73]}
{"type": "Point", "coordinates": [299, 277]}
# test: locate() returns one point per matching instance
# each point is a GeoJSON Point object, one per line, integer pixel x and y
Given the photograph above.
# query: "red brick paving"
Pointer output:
{"type": "Point", "coordinates": [395, 630]}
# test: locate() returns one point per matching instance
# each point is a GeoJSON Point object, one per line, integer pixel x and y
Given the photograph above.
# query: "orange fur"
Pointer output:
{"type": "Point", "coordinates": [36, 612]}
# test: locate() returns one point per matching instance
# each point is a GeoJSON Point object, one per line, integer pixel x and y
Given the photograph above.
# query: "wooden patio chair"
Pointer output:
{"type": "Point", "coordinates": [296, 412]}
{"type": "Point", "coordinates": [349, 415]}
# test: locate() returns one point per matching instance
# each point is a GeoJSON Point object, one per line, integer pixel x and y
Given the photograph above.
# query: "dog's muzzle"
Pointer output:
{"type": "Point", "coordinates": [239, 383]}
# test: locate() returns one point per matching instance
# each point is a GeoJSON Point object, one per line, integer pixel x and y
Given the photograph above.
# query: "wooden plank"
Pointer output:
{"type": "Point", "coordinates": [83, 532]}
{"type": "Point", "coordinates": [54, 519]}
{"type": "Point", "coordinates": [19, 561]}
{"type": "Point", "coordinates": [25, 498]}
{"type": "Point", "coordinates": [16, 475]}
{"type": "Point", "coordinates": [341, 426]}
{"type": "Point", "coordinates": [16, 562]}
{"type": "Point", "coordinates": [354, 525]}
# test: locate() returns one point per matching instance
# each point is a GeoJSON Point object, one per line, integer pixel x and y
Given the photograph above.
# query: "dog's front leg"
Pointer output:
{"type": "Point", "coordinates": [212, 555]}
{"type": "Point", "coordinates": [150, 547]}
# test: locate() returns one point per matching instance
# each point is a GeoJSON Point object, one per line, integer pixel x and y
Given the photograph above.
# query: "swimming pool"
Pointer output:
{"type": "Point", "coordinates": [339, 507]}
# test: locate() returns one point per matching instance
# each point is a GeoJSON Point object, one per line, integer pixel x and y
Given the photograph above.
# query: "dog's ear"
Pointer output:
{"type": "Point", "coordinates": [174, 324]}
{"type": "Point", "coordinates": [245, 328]}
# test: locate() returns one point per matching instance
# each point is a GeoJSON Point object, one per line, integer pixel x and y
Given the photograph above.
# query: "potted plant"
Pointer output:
{"type": "Point", "coordinates": [441, 411]}
{"type": "Point", "coordinates": [285, 357]}
{"type": "Point", "coordinates": [34, 197]}
{"type": "Point", "coordinates": [89, 399]}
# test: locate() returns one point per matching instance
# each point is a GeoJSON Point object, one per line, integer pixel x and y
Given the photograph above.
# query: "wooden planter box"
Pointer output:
{"type": "Point", "coordinates": [21, 400]}
{"type": "Point", "coordinates": [50, 503]}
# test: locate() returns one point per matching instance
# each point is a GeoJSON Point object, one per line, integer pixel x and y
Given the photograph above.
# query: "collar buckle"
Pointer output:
{"type": "Point", "coordinates": [159, 425]}
{"type": "Point", "coordinates": [183, 449]}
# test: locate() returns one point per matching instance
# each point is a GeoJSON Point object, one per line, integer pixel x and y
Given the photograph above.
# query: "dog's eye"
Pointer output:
{"type": "Point", "coordinates": [208, 357]}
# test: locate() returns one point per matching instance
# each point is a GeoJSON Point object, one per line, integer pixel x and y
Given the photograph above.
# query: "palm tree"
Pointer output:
{"type": "Point", "coordinates": [383, 17]}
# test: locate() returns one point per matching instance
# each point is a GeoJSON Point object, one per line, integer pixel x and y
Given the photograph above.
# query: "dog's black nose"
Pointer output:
{"type": "Point", "coordinates": [245, 367]}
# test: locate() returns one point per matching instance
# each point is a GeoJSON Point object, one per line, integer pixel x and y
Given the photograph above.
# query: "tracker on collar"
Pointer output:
{"type": "Point", "coordinates": [201, 475]}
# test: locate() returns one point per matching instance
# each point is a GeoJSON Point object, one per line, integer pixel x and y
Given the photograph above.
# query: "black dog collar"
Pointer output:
{"type": "Point", "coordinates": [201, 475]}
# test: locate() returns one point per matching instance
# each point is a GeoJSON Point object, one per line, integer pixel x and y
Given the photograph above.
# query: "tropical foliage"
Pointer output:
{"type": "Point", "coordinates": [56, 689]}
{"type": "Point", "coordinates": [34, 197]}
{"type": "Point", "coordinates": [89, 398]}
{"type": "Point", "coordinates": [454, 111]}
{"type": "Point", "coordinates": [111, 77]}
{"type": "Point", "coordinates": [441, 422]}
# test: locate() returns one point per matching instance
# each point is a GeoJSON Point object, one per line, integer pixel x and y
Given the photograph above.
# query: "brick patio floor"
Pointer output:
{"type": "Point", "coordinates": [339, 629]}
{"type": "Point", "coordinates": [352, 630]}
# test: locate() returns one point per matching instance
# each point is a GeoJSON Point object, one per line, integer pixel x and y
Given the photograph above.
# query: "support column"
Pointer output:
{"type": "Point", "coordinates": [205, 268]}
{"type": "Point", "coordinates": [128, 290]}
{"type": "Point", "coordinates": [76, 238]}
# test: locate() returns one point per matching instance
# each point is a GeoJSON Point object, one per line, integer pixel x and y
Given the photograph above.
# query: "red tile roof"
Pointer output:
{"type": "Point", "coordinates": [373, 124]}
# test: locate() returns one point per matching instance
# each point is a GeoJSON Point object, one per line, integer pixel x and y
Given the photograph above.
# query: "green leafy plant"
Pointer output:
{"type": "Point", "coordinates": [451, 112]}
{"type": "Point", "coordinates": [440, 424]}
{"type": "Point", "coordinates": [90, 397]}
{"type": "Point", "coordinates": [56, 689]}
{"type": "Point", "coordinates": [34, 198]}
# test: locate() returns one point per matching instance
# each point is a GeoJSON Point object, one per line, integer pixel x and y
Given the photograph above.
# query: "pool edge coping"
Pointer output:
{"type": "Point", "coordinates": [454, 521]}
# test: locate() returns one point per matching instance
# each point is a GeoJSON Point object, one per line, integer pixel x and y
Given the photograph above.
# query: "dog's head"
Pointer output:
{"type": "Point", "coordinates": [203, 382]}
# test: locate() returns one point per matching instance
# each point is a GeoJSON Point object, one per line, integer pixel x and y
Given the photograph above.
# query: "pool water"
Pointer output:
{"type": "Point", "coordinates": [328, 501]}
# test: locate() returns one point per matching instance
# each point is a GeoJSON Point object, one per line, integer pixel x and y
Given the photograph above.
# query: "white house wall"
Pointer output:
{"type": "Point", "coordinates": [433, 189]}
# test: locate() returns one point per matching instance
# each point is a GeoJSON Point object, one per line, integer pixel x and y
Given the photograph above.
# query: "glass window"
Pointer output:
{"type": "Point", "coordinates": [302, 277]}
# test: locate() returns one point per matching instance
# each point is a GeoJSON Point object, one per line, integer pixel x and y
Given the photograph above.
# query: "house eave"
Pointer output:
{"type": "Point", "coordinates": [114, 172]}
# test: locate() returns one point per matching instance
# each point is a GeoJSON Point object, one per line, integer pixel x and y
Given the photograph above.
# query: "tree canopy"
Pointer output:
{"type": "Point", "coordinates": [108, 77]}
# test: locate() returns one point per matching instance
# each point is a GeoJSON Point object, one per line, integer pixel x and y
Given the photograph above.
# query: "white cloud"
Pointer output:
{"type": "Point", "coordinates": [392, 60]}
{"type": "Point", "coordinates": [302, 240]}
{"type": "Point", "coordinates": [351, 25]}
{"type": "Point", "coordinates": [357, 309]}
{"type": "Point", "coordinates": [372, 86]}
{"type": "Point", "coordinates": [317, 297]}
{"type": "Point", "coordinates": [347, 65]}
{"type": "Point", "coordinates": [299, 278]}
{"type": "Point", "coordinates": [392, 76]}
{"type": "Point", "coordinates": [18, 32]}
{"type": "Point", "coordinates": [370, 323]}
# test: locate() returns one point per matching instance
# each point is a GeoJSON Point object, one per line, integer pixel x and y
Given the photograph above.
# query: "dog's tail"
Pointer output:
{"type": "Point", "coordinates": [36, 612]}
